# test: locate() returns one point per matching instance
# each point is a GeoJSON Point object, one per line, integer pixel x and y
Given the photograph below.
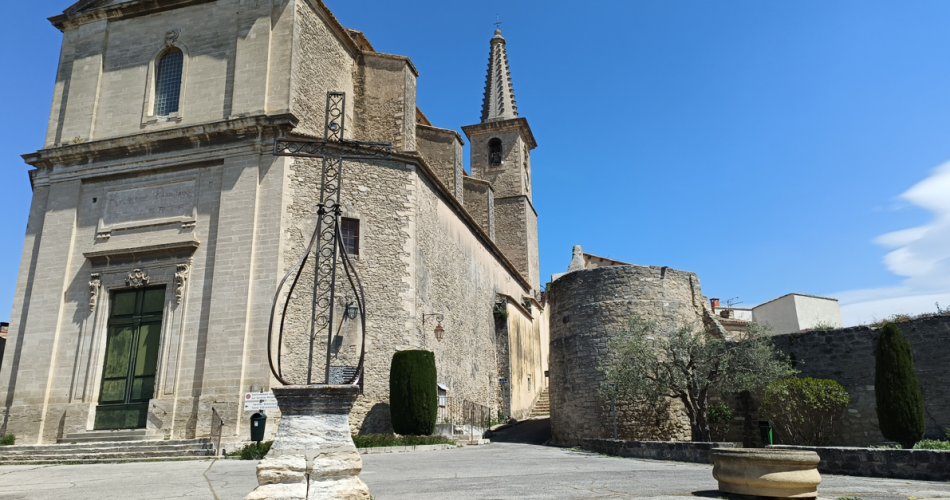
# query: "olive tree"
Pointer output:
{"type": "Point", "coordinates": [645, 365]}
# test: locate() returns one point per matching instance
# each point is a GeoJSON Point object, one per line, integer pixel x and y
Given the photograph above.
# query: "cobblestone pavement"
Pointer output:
{"type": "Point", "coordinates": [496, 471]}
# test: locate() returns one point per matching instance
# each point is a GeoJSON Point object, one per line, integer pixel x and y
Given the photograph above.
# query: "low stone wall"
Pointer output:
{"type": "Point", "coordinates": [924, 465]}
{"type": "Point", "coordinates": [678, 451]}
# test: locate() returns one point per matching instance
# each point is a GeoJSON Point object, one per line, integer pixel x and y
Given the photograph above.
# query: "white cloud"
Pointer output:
{"type": "Point", "coordinates": [920, 254]}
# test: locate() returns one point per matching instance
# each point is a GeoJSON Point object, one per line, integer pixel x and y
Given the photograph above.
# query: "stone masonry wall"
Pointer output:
{"type": "Point", "coordinates": [479, 202]}
{"type": "Point", "coordinates": [586, 308]}
{"type": "Point", "coordinates": [442, 149]}
{"type": "Point", "coordinates": [847, 356]}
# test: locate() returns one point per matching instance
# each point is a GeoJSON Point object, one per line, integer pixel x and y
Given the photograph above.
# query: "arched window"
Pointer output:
{"type": "Point", "coordinates": [494, 151]}
{"type": "Point", "coordinates": [168, 82]}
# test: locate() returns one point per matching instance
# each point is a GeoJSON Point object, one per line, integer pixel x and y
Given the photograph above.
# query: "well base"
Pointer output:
{"type": "Point", "coordinates": [313, 456]}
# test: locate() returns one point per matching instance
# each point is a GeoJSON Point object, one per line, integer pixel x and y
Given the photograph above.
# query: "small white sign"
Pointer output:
{"type": "Point", "coordinates": [257, 401]}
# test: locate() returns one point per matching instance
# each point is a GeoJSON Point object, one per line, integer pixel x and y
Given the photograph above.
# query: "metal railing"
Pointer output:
{"type": "Point", "coordinates": [217, 425]}
{"type": "Point", "coordinates": [465, 417]}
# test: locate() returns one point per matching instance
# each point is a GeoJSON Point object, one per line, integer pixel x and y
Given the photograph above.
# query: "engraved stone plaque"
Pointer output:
{"type": "Point", "coordinates": [150, 205]}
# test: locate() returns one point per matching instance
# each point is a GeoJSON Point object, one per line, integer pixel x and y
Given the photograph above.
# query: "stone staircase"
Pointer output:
{"type": "Point", "coordinates": [543, 407]}
{"type": "Point", "coordinates": [108, 447]}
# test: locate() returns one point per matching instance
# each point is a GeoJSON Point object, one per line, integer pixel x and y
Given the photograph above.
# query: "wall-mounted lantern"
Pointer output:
{"type": "Point", "coordinates": [439, 331]}
{"type": "Point", "coordinates": [352, 310]}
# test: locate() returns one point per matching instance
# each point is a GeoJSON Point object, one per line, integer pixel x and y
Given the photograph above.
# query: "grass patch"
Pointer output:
{"type": "Point", "coordinates": [252, 451]}
{"type": "Point", "coordinates": [381, 440]}
{"type": "Point", "coordinates": [8, 440]}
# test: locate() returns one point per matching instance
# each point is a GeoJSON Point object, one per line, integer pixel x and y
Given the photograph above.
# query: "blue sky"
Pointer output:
{"type": "Point", "coordinates": [770, 147]}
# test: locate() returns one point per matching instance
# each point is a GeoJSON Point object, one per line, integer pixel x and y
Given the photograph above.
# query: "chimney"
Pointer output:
{"type": "Point", "coordinates": [714, 303]}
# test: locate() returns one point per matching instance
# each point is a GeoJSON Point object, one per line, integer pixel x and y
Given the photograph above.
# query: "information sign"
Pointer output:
{"type": "Point", "coordinates": [257, 401]}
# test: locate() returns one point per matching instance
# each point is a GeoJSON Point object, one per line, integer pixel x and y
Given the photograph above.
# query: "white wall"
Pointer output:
{"type": "Point", "coordinates": [795, 312]}
{"type": "Point", "coordinates": [813, 311]}
{"type": "Point", "coordinates": [779, 313]}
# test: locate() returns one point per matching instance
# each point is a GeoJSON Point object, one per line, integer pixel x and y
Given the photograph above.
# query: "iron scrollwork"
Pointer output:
{"type": "Point", "coordinates": [325, 244]}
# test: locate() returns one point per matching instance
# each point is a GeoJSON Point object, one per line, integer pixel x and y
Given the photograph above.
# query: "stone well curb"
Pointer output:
{"type": "Point", "coordinates": [405, 449]}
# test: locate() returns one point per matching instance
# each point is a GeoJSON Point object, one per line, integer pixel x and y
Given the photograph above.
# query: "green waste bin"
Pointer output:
{"type": "Point", "coordinates": [768, 435]}
{"type": "Point", "coordinates": [258, 422]}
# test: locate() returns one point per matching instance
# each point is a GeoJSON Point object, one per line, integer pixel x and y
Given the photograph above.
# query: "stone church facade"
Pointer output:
{"type": "Point", "coordinates": [161, 223]}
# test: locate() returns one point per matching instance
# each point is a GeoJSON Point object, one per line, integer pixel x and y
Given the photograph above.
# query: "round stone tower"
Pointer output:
{"type": "Point", "coordinates": [586, 308]}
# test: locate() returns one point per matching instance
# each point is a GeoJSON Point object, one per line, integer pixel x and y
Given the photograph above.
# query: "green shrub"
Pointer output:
{"type": "Point", "coordinates": [932, 444]}
{"type": "Point", "coordinates": [804, 411]}
{"type": "Point", "coordinates": [719, 415]}
{"type": "Point", "coordinates": [8, 440]}
{"type": "Point", "coordinates": [252, 451]}
{"type": "Point", "coordinates": [381, 440]}
{"type": "Point", "coordinates": [413, 399]}
{"type": "Point", "coordinates": [900, 404]}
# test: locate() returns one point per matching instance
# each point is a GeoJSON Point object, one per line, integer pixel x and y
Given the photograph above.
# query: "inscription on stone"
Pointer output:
{"type": "Point", "coordinates": [149, 205]}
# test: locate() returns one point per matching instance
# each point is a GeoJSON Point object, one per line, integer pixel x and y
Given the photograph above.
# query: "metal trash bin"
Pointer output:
{"type": "Point", "coordinates": [766, 432]}
{"type": "Point", "coordinates": [258, 423]}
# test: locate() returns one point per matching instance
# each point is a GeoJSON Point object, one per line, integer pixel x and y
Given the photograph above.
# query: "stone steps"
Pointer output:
{"type": "Point", "coordinates": [543, 407]}
{"type": "Point", "coordinates": [108, 451]}
{"type": "Point", "coordinates": [99, 436]}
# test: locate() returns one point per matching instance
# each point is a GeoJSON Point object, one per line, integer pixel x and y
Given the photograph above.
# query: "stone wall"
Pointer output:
{"type": "Point", "coordinates": [442, 149]}
{"type": "Point", "coordinates": [480, 203]}
{"type": "Point", "coordinates": [656, 450]}
{"type": "Point", "coordinates": [586, 308]}
{"type": "Point", "coordinates": [847, 356]}
{"type": "Point", "coordinates": [921, 465]}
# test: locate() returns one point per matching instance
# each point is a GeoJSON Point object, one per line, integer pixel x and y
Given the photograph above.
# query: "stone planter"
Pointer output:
{"type": "Point", "coordinates": [767, 473]}
{"type": "Point", "coordinates": [313, 456]}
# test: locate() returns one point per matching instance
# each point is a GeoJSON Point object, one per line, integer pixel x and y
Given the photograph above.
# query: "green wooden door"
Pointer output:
{"type": "Point", "coordinates": [132, 344]}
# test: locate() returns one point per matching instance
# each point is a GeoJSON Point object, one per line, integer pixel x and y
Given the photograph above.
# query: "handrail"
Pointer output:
{"type": "Point", "coordinates": [217, 425]}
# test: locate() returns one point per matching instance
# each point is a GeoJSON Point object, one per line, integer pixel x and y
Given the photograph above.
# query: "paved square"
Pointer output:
{"type": "Point", "coordinates": [496, 471]}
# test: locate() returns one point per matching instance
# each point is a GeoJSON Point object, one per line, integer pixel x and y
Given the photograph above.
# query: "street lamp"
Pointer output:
{"type": "Point", "coordinates": [439, 331]}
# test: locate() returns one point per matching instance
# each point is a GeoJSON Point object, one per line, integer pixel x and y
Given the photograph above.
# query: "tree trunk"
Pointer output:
{"type": "Point", "coordinates": [700, 426]}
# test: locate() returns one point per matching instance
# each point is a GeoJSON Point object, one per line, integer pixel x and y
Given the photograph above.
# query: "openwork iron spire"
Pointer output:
{"type": "Point", "coordinates": [499, 101]}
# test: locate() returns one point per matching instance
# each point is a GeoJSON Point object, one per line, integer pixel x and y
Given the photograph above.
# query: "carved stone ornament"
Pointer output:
{"type": "Point", "coordinates": [171, 36]}
{"type": "Point", "coordinates": [138, 278]}
{"type": "Point", "coordinates": [181, 277]}
{"type": "Point", "coordinates": [95, 283]}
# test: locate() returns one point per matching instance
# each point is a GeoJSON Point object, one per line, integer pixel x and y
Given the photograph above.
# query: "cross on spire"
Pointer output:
{"type": "Point", "coordinates": [498, 21]}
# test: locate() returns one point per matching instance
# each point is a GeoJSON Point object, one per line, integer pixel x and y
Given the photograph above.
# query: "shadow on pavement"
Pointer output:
{"type": "Point", "coordinates": [528, 432]}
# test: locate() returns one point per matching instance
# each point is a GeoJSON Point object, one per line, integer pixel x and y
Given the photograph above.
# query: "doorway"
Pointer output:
{"type": "Point", "coordinates": [131, 359]}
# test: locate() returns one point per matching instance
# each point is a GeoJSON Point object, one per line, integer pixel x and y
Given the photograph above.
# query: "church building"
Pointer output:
{"type": "Point", "coordinates": [162, 223]}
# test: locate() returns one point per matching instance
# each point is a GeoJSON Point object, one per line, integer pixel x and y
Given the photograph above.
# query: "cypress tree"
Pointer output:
{"type": "Point", "coordinates": [900, 405]}
{"type": "Point", "coordinates": [413, 396]}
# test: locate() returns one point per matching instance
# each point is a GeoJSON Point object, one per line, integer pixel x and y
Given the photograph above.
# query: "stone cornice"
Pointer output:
{"type": "Point", "coordinates": [519, 123]}
{"type": "Point", "coordinates": [147, 143]}
{"type": "Point", "coordinates": [73, 17]}
{"type": "Point", "coordinates": [474, 180]}
{"type": "Point", "coordinates": [393, 57]}
{"type": "Point", "coordinates": [457, 207]}
{"type": "Point", "coordinates": [441, 130]}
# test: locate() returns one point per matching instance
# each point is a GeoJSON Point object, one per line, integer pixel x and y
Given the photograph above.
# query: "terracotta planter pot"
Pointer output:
{"type": "Point", "coordinates": [767, 473]}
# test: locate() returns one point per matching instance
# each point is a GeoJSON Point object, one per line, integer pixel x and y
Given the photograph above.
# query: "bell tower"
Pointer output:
{"type": "Point", "coordinates": [501, 155]}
